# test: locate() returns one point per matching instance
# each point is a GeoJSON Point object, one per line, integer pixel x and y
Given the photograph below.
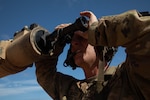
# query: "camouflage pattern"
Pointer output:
{"type": "Point", "coordinates": [132, 31]}
{"type": "Point", "coordinates": [64, 87]}
{"type": "Point", "coordinates": [132, 78]}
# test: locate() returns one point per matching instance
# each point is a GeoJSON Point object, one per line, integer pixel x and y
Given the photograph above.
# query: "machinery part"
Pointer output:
{"type": "Point", "coordinates": [23, 50]}
{"type": "Point", "coordinates": [65, 35]}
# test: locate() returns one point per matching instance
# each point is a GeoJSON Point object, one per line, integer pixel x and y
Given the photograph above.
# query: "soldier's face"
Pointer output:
{"type": "Point", "coordinates": [85, 53]}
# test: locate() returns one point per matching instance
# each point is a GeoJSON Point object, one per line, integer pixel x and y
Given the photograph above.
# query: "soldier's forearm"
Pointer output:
{"type": "Point", "coordinates": [118, 30]}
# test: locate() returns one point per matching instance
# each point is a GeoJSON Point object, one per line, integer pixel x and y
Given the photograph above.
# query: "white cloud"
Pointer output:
{"type": "Point", "coordinates": [70, 3]}
{"type": "Point", "coordinates": [4, 36]}
{"type": "Point", "coordinates": [26, 82]}
{"type": "Point", "coordinates": [18, 87]}
{"type": "Point", "coordinates": [15, 91]}
{"type": "Point", "coordinates": [2, 85]}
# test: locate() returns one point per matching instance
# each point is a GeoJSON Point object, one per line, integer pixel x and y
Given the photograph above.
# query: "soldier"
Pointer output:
{"type": "Point", "coordinates": [57, 85]}
{"type": "Point", "coordinates": [65, 87]}
{"type": "Point", "coordinates": [131, 30]}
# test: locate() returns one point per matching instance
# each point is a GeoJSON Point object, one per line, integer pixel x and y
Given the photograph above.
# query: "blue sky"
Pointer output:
{"type": "Point", "coordinates": [15, 14]}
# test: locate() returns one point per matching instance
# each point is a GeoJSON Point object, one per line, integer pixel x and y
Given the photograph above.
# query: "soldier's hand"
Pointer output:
{"type": "Point", "coordinates": [92, 19]}
{"type": "Point", "coordinates": [59, 46]}
{"type": "Point", "coordinates": [90, 15]}
{"type": "Point", "coordinates": [62, 26]}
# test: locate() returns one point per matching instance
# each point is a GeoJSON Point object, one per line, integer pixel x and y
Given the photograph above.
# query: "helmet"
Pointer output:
{"type": "Point", "coordinates": [106, 53]}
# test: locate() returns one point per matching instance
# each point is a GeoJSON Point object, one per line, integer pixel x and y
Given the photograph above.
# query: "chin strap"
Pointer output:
{"type": "Point", "coordinates": [101, 66]}
{"type": "Point", "coordinates": [105, 55]}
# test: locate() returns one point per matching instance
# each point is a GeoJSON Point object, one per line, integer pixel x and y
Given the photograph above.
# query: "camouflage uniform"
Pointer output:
{"type": "Point", "coordinates": [64, 87]}
{"type": "Point", "coordinates": [132, 31]}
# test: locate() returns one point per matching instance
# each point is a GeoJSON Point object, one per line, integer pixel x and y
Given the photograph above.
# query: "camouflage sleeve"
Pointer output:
{"type": "Point", "coordinates": [54, 83]}
{"type": "Point", "coordinates": [119, 30]}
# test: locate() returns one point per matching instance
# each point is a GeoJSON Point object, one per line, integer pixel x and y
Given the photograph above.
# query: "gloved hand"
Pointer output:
{"type": "Point", "coordinates": [59, 43]}
{"type": "Point", "coordinates": [63, 34]}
